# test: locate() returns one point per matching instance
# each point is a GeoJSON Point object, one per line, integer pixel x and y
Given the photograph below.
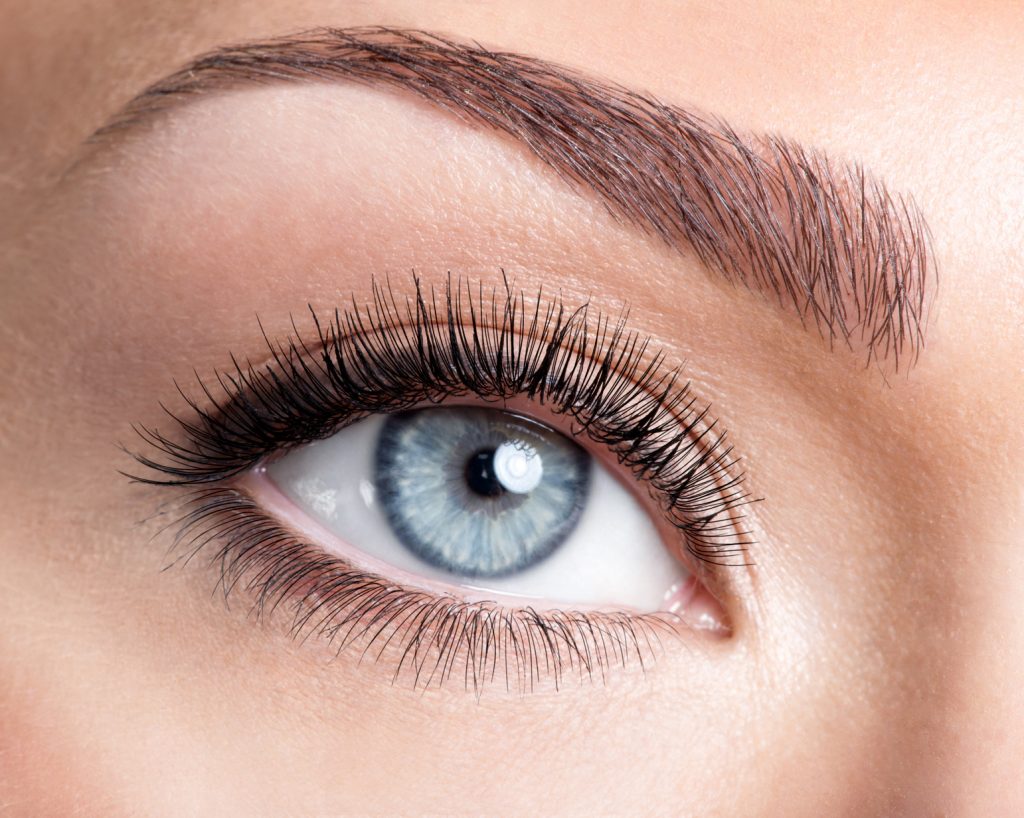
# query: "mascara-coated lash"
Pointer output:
{"type": "Point", "coordinates": [397, 353]}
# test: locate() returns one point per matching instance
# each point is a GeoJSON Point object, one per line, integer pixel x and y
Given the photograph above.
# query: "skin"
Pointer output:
{"type": "Point", "coordinates": [877, 648]}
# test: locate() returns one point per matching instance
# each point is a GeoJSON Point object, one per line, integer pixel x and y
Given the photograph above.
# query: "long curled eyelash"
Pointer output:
{"type": "Point", "coordinates": [398, 353]}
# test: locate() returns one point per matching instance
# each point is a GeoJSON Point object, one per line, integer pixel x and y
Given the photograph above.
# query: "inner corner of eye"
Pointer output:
{"type": "Point", "coordinates": [482, 503]}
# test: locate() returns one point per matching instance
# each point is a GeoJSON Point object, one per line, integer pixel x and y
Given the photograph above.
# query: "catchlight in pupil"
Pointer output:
{"type": "Point", "coordinates": [513, 466]}
{"type": "Point", "coordinates": [484, 499]}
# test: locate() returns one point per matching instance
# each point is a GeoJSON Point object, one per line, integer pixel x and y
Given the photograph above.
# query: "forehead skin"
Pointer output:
{"type": "Point", "coordinates": [884, 678]}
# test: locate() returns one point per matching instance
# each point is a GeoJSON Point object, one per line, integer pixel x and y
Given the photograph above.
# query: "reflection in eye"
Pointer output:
{"type": "Point", "coordinates": [484, 497]}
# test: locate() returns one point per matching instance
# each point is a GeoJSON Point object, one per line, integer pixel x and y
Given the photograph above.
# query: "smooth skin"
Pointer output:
{"type": "Point", "coordinates": [877, 655]}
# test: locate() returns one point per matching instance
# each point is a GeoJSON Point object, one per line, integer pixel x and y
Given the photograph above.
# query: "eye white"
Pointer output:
{"type": "Point", "coordinates": [614, 556]}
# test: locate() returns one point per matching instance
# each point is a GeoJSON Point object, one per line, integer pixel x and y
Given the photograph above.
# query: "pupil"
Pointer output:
{"type": "Point", "coordinates": [480, 475]}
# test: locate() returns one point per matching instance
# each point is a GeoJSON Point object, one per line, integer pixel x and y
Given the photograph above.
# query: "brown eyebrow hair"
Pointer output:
{"type": "Point", "coordinates": [824, 238]}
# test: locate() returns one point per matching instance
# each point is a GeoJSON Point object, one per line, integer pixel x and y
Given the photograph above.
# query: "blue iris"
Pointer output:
{"type": "Point", "coordinates": [479, 492]}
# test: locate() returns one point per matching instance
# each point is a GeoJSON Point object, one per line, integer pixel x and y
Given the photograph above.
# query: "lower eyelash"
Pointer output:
{"type": "Point", "coordinates": [426, 639]}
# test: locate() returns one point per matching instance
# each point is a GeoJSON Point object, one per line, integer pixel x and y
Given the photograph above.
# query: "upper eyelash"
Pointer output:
{"type": "Point", "coordinates": [395, 354]}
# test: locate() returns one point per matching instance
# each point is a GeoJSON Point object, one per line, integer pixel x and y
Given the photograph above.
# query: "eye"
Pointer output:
{"type": "Point", "coordinates": [485, 499]}
{"type": "Point", "coordinates": [468, 539]}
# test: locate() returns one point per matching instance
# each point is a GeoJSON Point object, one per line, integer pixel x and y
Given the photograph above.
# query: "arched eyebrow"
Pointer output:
{"type": "Point", "coordinates": [821, 238]}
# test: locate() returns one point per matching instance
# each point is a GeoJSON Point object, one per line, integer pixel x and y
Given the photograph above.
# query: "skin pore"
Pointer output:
{"type": "Point", "coordinates": [877, 645]}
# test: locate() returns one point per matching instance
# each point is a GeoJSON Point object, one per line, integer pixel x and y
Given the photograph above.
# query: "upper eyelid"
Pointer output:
{"type": "Point", "coordinates": [828, 239]}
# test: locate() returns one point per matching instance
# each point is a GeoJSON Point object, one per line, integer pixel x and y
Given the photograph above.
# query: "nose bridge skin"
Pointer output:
{"type": "Point", "coordinates": [982, 717]}
{"type": "Point", "coordinates": [963, 720]}
{"type": "Point", "coordinates": [919, 629]}
{"type": "Point", "coordinates": [958, 624]}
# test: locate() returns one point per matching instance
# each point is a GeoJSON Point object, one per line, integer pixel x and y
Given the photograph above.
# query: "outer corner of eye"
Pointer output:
{"type": "Point", "coordinates": [483, 503]}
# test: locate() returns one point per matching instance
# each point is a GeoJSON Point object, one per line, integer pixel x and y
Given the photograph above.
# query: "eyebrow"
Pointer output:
{"type": "Point", "coordinates": [822, 238]}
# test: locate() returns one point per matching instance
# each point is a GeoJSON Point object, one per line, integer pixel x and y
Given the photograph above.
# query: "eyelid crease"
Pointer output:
{"type": "Point", "coordinates": [393, 354]}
